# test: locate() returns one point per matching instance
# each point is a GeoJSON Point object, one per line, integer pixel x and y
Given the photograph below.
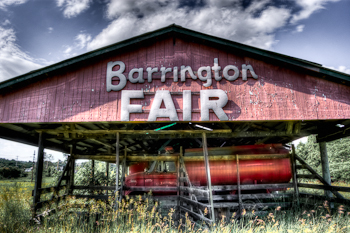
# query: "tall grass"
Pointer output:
{"type": "Point", "coordinates": [139, 215]}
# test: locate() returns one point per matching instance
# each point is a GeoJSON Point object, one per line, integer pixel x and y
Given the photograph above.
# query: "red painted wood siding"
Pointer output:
{"type": "Point", "coordinates": [78, 95]}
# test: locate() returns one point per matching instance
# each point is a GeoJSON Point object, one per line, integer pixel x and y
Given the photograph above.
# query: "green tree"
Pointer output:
{"type": "Point", "coordinates": [338, 155]}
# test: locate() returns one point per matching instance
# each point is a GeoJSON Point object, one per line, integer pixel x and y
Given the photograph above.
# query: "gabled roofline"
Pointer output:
{"type": "Point", "coordinates": [325, 73]}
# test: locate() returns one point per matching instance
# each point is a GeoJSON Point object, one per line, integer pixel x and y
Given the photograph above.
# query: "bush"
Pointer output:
{"type": "Point", "coordinates": [11, 172]}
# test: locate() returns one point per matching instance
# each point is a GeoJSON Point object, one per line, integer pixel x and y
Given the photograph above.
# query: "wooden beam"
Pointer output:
{"type": "Point", "coordinates": [39, 173]}
{"type": "Point", "coordinates": [86, 131]}
{"type": "Point", "coordinates": [198, 216]}
{"type": "Point", "coordinates": [294, 174]}
{"type": "Point", "coordinates": [200, 192]}
{"type": "Point", "coordinates": [303, 176]}
{"type": "Point", "coordinates": [325, 167]}
{"type": "Point", "coordinates": [150, 188]}
{"type": "Point", "coordinates": [194, 203]}
{"type": "Point", "coordinates": [94, 187]}
{"type": "Point", "coordinates": [208, 176]}
{"type": "Point", "coordinates": [71, 170]}
{"type": "Point", "coordinates": [123, 174]}
{"type": "Point", "coordinates": [320, 178]}
{"type": "Point", "coordinates": [325, 187]}
{"type": "Point", "coordinates": [117, 169]}
{"type": "Point", "coordinates": [239, 187]}
{"type": "Point", "coordinates": [247, 187]}
{"type": "Point", "coordinates": [174, 157]}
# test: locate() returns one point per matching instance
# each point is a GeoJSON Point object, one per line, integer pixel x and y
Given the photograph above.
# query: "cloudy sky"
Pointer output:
{"type": "Point", "coordinates": [37, 33]}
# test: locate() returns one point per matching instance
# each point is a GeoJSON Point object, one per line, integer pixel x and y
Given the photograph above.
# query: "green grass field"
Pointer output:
{"type": "Point", "coordinates": [136, 216]}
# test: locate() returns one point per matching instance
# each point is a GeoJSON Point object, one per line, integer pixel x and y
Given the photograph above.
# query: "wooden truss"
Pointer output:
{"type": "Point", "coordinates": [190, 199]}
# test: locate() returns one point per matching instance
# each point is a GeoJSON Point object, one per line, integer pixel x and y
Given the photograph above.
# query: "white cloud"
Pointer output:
{"type": "Point", "coordinates": [7, 22]}
{"type": "Point", "coordinates": [13, 61]}
{"type": "Point", "coordinates": [72, 8]}
{"type": "Point", "coordinates": [50, 29]}
{"type": "Point", "coordinates": [299, 28]}
{"type": "Point", "coordinates": [82, 39]}
{"type": "Point", "coordinates": [5, 3]}
{"type": "Point", "coordinates": [308, 8]}
{"type": "Point", "coordinates": [343, 69]}
{"type": "Point", "coordinates": [254, 25]}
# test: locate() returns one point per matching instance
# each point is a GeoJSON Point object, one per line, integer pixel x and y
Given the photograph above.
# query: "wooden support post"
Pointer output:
{"type": "Point", "coordinates": [178, 184]}
{"type": "Point", "coordinates": [294, 174]}
{"type": "Point", "coordinates": [207, 170]}
{"type": "Point", "coordinates": [39, 172]}
{"type": "Point", "coordinates": [325, 167]}
{"type": "Point", "coordinates": [107, 175]}
{"type": "Point", "coordinates": [71, 170]}
{"type": "Point", "coordinates": [122, 180]}
{"type": "Point", "coordinates": [239, 187]}
{"type": "Point", "coordinates": [117, 170]}
{"type": "Point", "coordinates": [93, 172]}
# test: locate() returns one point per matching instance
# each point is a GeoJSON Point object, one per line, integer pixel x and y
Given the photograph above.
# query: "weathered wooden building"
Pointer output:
{"type": "Point", "coordinates": [118, 101]}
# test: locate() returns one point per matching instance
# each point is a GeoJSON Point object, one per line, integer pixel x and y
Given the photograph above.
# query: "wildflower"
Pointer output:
{"type": "Point", "coordinates": [278, 208]}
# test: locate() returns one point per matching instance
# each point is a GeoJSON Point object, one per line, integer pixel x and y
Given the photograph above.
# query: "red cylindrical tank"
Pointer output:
{"type": "Point", "coordinates": [252, 171]}
{"type": "Point", "coordinates": [137, 167]}
{"type": "Point", "coordinates": [265, 170]}
{"type": "Point", "coordinates": [262, 171]}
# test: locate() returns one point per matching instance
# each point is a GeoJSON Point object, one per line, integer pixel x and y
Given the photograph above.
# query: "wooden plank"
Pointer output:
{"type": "Point", "coordinates": [151, 188]}
{"type": "Point", "coordinates": [338, 195]}
{"type": "Point", "coordinates": [99, 197]}
{"type": "Point", "coordinates": [294, 174]}
{"type": "Point", "coordinates": [127, 132]}
{"type": "Point", "coordinates": [194, 203]}
{"type": "Point", "coordinates": [325, 187]}
{"type": "Point", "coordinates": [326, 174]}
{"type": "Point", "coordinates": [80, 187]}
{"type": "Point", "coordinates": [174, 157]}
{"type": "Point", "coordinates": [122, 182]}
{"type": "Point", "coordinates": [39, 173]}
{"type": "Point", "coordinates": [198, 216]}
{"type": "Point", "coordinates": [49, 202]}
{"type": "Point", "coordinates": [208, 176]}
{"type": "Point", "coordinates": [230, 197]}
{"type": "Point", "coordinates": [194, 190]}
{"type": "Point", "coordinates": [117, 145]}
{"type": "Point", "coordinates": [239, 186]}
{"type": "Point", "coordinates": [303, 176]}
{"type": "Point", "coordinates": [249, 187]}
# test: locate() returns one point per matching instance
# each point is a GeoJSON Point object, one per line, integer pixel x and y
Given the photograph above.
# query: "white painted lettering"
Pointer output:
{"type": "Point", "coordinates": [215, 105]}
{"type": "Point", "coordinates": [139, 78]}
{"type": "Point", "coordinates": [183, 73]}
{"type": "Point", "coordinates": [244, 72]}
{"type": "Point", "coordinates": [208, 77]}
{"type": "Point", "coordinates": [111, 74]}
{"type": "Point", "coordinates": [150, 71]}
{"type": "Point", "coordinates": [227, 76]}
{"type": "Point", "coordinates": [169, 111]}
{"type": "Point", "coordinates": [126, 107]}
{"type": "Point", "coordinates": [164, 71]}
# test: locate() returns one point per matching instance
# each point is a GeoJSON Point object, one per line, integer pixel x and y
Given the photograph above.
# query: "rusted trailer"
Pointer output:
{"type": "Point", "coordinates": [126, 102]}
